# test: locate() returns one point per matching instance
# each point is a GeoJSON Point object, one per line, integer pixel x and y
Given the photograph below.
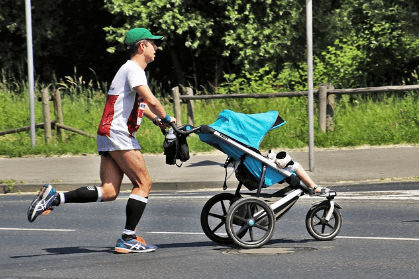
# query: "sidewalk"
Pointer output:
{"type": "Point", "coordinates": [331, 168]}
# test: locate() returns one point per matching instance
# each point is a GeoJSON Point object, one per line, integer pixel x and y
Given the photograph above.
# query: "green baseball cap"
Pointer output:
{"type": "Point", "coordinates": [137, 34]}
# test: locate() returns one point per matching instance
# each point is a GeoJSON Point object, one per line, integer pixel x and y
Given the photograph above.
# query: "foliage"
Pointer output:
{"type": "Point", "coordinates": [260, 81]}
{"type": "Point", "coordinates": [386, 33]}
{"type": "Point", "coordinates": [206, 41]}
{"type": "Point", "coordinates": [10, 184]}
{"type": "Point", "coordinates": [341, 64]}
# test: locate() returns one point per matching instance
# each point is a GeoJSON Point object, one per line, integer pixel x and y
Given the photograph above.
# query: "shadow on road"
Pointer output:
{"type": "Point", "coordinates": [70, 250]}
{"type": "Point", "coordinates": [205, 163]}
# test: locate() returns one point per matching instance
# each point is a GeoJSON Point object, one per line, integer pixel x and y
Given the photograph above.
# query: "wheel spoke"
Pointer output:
{"type": "Point", "coordinates": [236, 217]}
{"type": "Point", "coordinates": [316, 224]}
{"type": "Point", "coordinates": [218, 226]}
{"type": "Point", "coordinates": [330, 226]}
{"type": "Point", "coordinates": [249, 211]}
{"type": "Point", "coordinates": [242, 229]}
{"type": "Point", "coordinates": [323, 228]}
{"type": "Point", "coordinates": [223, 207]}
{"type": "Point", "coordinates": [251, 233]}
{"type": "Point", "coordinates": [216, 215]}
{"type": "Point", "coordinates": [264, 228]}
{"type": "Point", "coordinates": [315, 215]}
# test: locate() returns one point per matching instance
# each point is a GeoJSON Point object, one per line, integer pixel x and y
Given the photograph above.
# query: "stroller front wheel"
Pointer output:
{"type": "Point", "coordinates": [250, 222]}
{"type": "Point", "coordinates": [317, 225]}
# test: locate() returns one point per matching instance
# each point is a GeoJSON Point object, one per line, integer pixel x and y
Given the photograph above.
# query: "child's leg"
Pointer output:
{"type": "Point", "coordinates": [302, 174]}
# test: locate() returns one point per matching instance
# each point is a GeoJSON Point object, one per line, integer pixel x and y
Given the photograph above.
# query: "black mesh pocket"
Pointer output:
{"type": "Point", "coordinates": [244, 176]}
{"type": "Point", "coordinates": [183, 149]}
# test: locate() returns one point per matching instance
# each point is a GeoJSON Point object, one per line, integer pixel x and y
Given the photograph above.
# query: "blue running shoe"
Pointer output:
{"type": "Point", "coordinates": [128, 246]}
{"type": "Point", "coordinates": [43, 202]}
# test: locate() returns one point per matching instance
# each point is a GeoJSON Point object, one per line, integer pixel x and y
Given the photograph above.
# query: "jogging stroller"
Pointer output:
{"type": "Point", "coordinates": [248, 219]}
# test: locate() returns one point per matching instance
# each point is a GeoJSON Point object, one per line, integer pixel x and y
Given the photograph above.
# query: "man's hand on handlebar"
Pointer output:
{"type": "Point", "coordinates": [165, 125]}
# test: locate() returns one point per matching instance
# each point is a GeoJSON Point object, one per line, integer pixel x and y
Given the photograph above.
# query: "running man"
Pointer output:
{"type": "Point", "coordinates": [128, 100]}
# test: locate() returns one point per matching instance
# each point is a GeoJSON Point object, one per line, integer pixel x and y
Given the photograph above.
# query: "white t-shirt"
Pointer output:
{"type": "Point", "coordinates": [123, 110]}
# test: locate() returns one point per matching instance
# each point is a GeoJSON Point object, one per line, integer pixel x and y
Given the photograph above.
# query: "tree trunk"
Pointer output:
{"type": "Point", "coordinates": [179, 73]}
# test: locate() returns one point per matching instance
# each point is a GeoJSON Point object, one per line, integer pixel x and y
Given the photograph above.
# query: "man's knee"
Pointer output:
{"type": "Point", "coordinates": [145, 185]}
{"type": "Point", "coordinates": [109, 193]}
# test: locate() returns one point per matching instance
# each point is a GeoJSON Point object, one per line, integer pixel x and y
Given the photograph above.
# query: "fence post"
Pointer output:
{"type": "Point", "coordinates": [59, 111]}
{"type": "Point", "coordinates": [47, 118]}
{"type": "Point", "coordinates": [176, 105]}
{"type": "Point", "coordinates": [330, 109]}
{"type": "Point", "coordinates": [322, 107]}
{"type": "Point", "coordinates": [191, 105]}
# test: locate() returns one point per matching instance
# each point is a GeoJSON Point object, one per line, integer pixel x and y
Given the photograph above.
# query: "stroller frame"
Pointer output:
{"type": "Point", "coordinates": [250, 221]}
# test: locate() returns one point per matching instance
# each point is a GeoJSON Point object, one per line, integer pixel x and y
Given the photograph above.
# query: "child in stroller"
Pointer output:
{"type": "Point", "coordinates": [284, 161]}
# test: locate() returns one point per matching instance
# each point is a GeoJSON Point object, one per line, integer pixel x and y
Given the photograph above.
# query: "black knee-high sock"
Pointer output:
{"type": "Point", "coordinates": [134, 211]}
{"type": "Point", "coordinates": [83, 195]}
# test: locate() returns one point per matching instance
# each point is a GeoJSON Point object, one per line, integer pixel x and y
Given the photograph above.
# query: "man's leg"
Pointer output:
{"type": "Point", "coordinates": [131, 162]}
{"type": "Point", "coordinates": [111, 176]}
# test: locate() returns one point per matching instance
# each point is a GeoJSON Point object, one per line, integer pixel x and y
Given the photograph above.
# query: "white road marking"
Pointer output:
{"type": "Point", "coordinates": [380, 195]}
{"type": "Point", "coordinates": [180, 233]}
{"type": "Point", "coordinates": [46, 230]}
{"type": "Point", "coordinates": [378, 238]}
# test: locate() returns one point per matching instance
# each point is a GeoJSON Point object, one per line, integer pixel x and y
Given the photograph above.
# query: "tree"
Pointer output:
{"type": "Point", "coordinates": [385, 35]}
{"type": "Point", "coordinates": [205, 38]}
{"type": "Point", "coordinates": [66, 35]}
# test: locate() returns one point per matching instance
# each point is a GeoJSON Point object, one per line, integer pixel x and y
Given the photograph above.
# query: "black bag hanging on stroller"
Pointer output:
{"type": "Point", "coordinates": [175, 147]}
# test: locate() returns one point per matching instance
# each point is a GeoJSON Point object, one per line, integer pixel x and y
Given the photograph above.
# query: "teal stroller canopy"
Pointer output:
{"type": "Point", "coordinates": [249, 130]}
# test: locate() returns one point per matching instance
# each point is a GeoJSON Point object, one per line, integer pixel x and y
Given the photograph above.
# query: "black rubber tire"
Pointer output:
{"type": "Point", "coordinates": [213, 217]}
{"type": "Point", "coordinates": [246, 229]}
{"type": "Point", "coordinates": [318, 227]}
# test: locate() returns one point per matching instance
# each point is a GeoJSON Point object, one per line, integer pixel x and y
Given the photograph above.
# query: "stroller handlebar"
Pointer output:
{"type": "Point", "coordinates": [185, 129]}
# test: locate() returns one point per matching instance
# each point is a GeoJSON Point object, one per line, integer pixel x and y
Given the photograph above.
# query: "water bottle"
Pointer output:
{"type": "Point", "coordinates": [170, 147]}
{"type": "Point", "coordinates": [170, 136]}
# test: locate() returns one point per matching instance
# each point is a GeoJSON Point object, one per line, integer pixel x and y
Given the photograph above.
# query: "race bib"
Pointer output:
{"type": "Point", "coordinates": [141, 109]}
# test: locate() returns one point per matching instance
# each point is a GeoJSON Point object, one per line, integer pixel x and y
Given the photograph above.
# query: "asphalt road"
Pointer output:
{"type": "Point", "coordinates": [379, 239]}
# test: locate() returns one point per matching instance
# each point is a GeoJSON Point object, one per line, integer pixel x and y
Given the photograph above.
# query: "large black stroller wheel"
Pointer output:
{"type": "Point", "coordinates": [250, 222]}
{"type": "Point", "coordinates": [318, 227]}
{"type": "Point", "coordinates": [213, 217]}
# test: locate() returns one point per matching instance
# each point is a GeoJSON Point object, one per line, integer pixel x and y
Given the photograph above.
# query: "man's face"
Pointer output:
{"type": "Point", "coordinates": [150, 49]}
